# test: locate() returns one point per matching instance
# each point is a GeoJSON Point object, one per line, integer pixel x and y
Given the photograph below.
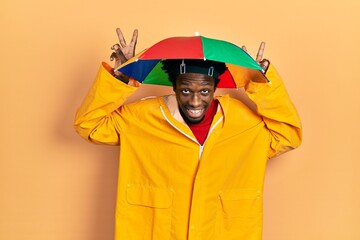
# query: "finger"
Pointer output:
{"type": "Point", "coordinates": [121, 37]}
{"type": "Point", "coordinates": [260, 53]}
{"type": "Point", "coordinates": [264, 64]}
{"type": "Point", "coordinates": [134, 38]}
{"type": "Point", "coordinates": [115, 47]}
{"type": "Point", "coordinates": [113, 56]}
{"type": "Point", "coordinates": [119, 54]}
{"type": "Point", "coordinates": [244, 48]}
{"type": "Point", "coordinates": [117, 50]}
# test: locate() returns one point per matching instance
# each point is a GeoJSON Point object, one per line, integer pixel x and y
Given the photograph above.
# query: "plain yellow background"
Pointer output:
{"type": "Point", "coordinates": [56, 186]}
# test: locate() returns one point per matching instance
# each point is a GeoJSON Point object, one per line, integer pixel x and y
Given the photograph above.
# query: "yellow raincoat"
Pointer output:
{"type": "Point", "coordinates": [171, 187]}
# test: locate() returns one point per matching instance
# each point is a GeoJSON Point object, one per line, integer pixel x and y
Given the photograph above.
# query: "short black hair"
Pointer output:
{"type": "Point", "coordinates": [172, 68]}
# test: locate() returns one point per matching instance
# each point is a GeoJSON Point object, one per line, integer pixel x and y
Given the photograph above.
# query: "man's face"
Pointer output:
{"type": "Point", "coordinates": [194, 93]}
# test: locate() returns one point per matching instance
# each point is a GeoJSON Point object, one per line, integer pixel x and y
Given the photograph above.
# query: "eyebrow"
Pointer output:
{"type": "Point", "coordinates": [203, 83]}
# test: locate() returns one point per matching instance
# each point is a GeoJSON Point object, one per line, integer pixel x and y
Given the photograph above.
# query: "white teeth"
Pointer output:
{"type": "Point", "coordinates": [195, 111]}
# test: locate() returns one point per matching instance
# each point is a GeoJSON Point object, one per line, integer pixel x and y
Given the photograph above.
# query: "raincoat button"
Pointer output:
{"type": "Point", "coordinates": [192, 227]}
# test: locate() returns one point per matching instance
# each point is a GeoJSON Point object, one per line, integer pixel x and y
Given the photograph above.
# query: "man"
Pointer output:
{"type": "Point", "coordinates": [191, 164]}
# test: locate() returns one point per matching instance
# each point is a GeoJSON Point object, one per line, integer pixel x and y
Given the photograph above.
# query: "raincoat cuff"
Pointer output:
{"type": "Point", "coordinates": [273, 77]}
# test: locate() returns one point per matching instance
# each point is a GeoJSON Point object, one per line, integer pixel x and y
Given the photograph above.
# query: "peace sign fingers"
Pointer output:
{"type": "Point", "coordinates": [122, 51]}
{"type": "Point", "coordinates": [264, 63]}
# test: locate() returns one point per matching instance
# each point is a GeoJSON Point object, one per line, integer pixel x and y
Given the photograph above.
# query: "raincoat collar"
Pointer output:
{"type": "Point", "coordinates": [170, 109]}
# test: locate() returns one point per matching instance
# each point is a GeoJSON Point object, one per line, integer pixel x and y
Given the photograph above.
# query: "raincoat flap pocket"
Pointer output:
{"type": "Point", "coordinates": [149, 196]}
{"type": "Point", "coordinates": [241, 203]}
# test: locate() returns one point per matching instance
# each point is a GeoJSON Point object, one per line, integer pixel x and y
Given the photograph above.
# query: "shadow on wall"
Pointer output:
{"type": "Point", "coordinates": [100, 168]}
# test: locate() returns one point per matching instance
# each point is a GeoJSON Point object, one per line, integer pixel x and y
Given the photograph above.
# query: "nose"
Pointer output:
{"type": "Point", "coordinates": [195, 100]}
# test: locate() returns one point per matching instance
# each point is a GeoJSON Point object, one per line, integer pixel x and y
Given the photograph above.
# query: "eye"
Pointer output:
{"type": "Point", "coordinates": [185, 91]}
{"type": "Point", "coordinates": [205, 91]}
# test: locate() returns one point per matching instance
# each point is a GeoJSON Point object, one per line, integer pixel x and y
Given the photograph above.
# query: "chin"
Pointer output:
{"type": "Point", "coordinates": [194, 121]}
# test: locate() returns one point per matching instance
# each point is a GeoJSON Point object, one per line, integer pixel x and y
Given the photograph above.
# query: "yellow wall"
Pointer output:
{"type": "Point", "coordinates": [56, 186]}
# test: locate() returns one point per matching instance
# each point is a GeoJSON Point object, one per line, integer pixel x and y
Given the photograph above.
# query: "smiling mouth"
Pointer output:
{"type": "Point", "coordinates": [195, 113]}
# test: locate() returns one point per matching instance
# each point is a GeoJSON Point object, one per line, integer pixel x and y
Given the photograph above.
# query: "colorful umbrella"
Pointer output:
{"type": "Point", "coordinates": [145, 67]}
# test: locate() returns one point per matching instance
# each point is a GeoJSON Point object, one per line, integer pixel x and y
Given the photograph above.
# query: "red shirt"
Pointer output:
{"type": "Point", "coordinates": [201, 129]}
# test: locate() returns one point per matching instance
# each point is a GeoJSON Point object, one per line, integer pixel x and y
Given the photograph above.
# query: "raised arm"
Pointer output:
{"type": "Point", "coordinates": [276, 108]}
{"type": "Point", "coordinates": [97, 118]}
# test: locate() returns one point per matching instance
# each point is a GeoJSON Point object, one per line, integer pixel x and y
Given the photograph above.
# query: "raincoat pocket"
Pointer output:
{"type": "Point", "coordinates": [240, 214]}
{"type": "Point", "coordinates": [241, 203]}
{"type": "Point", "coordinates": [150, 209]}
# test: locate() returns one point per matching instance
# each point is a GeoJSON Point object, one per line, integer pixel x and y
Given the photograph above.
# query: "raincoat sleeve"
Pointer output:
{"type": "Point", "coordinates": [97, 118]}
{"type": "Point", "coordinates": [273, 104]}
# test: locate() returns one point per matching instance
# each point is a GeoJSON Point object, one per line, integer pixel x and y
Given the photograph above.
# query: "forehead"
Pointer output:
{"type": "Point", "coordinates": [194, 79]}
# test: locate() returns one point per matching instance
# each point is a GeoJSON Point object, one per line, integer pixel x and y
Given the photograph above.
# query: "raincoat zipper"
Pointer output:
{"type": "Point", "coordinates": [210, 131]}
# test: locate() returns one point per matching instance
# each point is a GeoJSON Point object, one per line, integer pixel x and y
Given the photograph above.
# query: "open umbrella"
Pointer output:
{"type": "Point", "coordinates": [145, 67]}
